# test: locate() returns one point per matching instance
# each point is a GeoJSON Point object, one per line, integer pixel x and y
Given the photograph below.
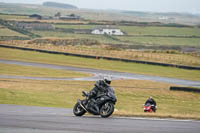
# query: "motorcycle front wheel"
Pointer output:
{"type": "Point", "coordinates": [78, 110]}
{"type": "Point", "coordinates": [107, 109]}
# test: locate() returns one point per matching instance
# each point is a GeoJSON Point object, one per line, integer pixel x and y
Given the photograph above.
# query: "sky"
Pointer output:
{"type": "Point", "coordinates": [187, 6]}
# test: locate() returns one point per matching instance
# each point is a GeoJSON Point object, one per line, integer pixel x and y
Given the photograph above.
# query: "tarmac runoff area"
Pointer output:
{"type": "Point", "coordinates": [26, 119]}
{"type": "Point", "coordinates": [98, 74]}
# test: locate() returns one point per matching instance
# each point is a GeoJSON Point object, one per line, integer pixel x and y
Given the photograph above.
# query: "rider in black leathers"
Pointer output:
{"type": "Point", "coordinates": [101, 88]}
{"type": "Point", "coordinates": [152, 102]}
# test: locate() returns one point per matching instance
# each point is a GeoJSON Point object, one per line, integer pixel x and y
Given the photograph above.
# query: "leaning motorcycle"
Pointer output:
{"type": "Point", "coordinates": [105, 104]}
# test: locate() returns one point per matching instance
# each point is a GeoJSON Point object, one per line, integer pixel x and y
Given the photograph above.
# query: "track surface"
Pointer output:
{"type": "Point", "coordinates": [97, 74]}
{"type": "Point", "coordinates": [23, 119]}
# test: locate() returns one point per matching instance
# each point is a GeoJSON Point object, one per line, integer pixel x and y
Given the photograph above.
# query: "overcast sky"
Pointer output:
{"type": "Point", "coordinates": [190, 6]}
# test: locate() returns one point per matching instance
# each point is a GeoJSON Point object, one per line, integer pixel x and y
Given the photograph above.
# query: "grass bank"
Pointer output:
{"type": "Point", "coordinates": [11, 54]}
{"type": "Point", "coordinates": [18, 70]}
{"type": "Point", "coordinates": [161, 41]}
{"type": "Point", "coordinates": [131, 95]}
{"type": "Point", "coordinates": [7, 32]}
{"type": "Point", "coordinates": [161, 31]}
{"type": "Point", "coordinates": [92, 47]}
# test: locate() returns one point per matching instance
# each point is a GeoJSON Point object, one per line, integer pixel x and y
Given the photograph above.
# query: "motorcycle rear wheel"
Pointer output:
{"type": "Point", "coordinates": [78, 110]}
{"type": "Point", "coordinates": [107, 109]}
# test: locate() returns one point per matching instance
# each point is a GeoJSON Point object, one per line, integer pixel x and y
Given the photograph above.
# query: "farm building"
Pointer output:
{"type": "Point", "coordinates": [109, 30]}
{"type": "Point", "coordinates": [57, 16]}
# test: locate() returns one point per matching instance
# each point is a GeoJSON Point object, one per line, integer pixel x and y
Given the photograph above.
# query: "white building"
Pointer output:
{"type": "Point", "coordinates": [107, 30]}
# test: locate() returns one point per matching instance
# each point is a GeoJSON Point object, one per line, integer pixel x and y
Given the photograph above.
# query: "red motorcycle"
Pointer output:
{"type": "Point", "coordinates": [149, 108]}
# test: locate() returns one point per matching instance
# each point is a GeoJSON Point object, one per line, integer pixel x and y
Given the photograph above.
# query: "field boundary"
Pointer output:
{"type": "Point", "coordinates": [188, 89]}
{"type": "Point", "coordinates": [102, 57]}
{"type": "Point", "coordinates": [16, 29]}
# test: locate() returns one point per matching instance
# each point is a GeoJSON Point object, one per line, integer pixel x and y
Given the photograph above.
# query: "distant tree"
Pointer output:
{"type": "Point", "coordinates": [72, 15]}
{"type": "Point", "coordinates": [58, 14]}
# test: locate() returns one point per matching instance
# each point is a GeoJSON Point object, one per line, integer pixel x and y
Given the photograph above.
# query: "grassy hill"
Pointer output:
{"type": "Point", "coordinates": [152, 40]}
{"type": "Point", "coordinates": [108, 15]}
{"type": "Point", "coordinates": [59, 5]}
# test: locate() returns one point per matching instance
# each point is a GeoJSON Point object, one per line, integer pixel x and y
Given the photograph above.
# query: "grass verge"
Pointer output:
{"type": "Point", "coordinates": [131, 95]}
{"type": "Point", "coordinates": [12, 54]}
{"type": "Point", "coordinates": [87, 47]}
{"type": "Point", "coordinates": [16, 70]}
{"type": "Point", "coordinates": [7, 32]}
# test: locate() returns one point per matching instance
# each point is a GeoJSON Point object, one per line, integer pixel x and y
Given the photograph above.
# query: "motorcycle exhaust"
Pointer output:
{"type": "Point", "coordinates": [79, 101]}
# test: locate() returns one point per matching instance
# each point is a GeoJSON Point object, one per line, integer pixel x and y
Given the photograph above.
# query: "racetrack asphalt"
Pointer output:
{"type": "Point", "coordinates": [33, 119]}
{"type": "Point", "coordinates": [97, 74]}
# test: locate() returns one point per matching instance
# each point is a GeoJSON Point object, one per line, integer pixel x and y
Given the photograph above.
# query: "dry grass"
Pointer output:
{"type": "Point", "coordinates": [7, 32]}
{"type": "Point", "coordinates": [131, 95]}
{"type": "Point", "coordinates": [20, 55]}
{"type": "Point", "coordinates": [181, 59]}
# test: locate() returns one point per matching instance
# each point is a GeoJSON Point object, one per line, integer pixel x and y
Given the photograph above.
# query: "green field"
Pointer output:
{"type": "Point", "coordinates": [11, 54]}
{"type": "Point", "coordinates": [100, 38]}
{"type": "Point", "coordinates": [154, 35]}
{"type": "Point", "coordinates": [144, 30]}
{"type": "Point", "coordinates": [75, 26]}
{"type": "Point", "coordinates": [137, 35]}
{"type": "Point", "coordinates": [160, 41]}
{"type": "Point", "coordinates": [131, 96]}
{"type": "Point", "coordinates": [7, 32]}
{"type": "Point", "coordinates": [131, 40]}
{"type": "Point", "coordinates": [17, 70]}
{"type": "Point", "coordinates": [11, 17]}
{"type": "Point", "coordinates": [161, 31]}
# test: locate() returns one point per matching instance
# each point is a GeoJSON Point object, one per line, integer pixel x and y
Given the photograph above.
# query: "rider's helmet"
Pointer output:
{"type": "Point", "coordinates": [107, 80]}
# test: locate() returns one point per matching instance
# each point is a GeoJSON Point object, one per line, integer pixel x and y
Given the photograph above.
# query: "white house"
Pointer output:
{"type": "Point", "coordinates": [107, 30]}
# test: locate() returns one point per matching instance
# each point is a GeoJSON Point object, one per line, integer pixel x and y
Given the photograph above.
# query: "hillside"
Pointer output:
{"type": "Point", "coordinates": [59, 5]}
{"type": "Point", "coordinates": [98, 15]}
